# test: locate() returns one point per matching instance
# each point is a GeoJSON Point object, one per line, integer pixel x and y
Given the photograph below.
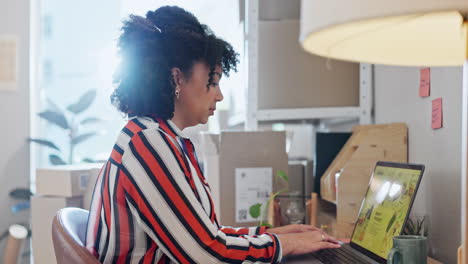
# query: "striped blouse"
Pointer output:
{"type": "Point", "coordinates": [151, 204]}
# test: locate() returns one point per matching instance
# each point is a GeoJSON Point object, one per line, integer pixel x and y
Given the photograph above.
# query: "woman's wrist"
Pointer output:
{"type": "Point", "coordinates": [286, 244]}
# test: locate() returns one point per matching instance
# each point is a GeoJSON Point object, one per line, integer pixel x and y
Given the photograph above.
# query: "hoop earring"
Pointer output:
{"type": "Point", "coordinates": [177, 94]}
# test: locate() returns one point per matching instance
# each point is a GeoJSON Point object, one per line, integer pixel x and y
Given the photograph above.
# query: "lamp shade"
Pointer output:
{"type": "Point", "coordinates": [397, 32]}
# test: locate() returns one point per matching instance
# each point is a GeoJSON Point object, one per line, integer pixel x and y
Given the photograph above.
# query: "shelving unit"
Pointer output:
{"type": "Point", "coordinates": [255, 113]}
{"type": "Point", "coordinates": [269, 33]}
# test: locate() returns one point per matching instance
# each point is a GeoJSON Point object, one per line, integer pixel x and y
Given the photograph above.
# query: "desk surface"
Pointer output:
{"type": "Point", "coordinates": [301, 260]}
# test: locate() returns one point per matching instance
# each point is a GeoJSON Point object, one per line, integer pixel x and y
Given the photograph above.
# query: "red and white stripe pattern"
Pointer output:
{"type": "Point", "coordinates": [151, 204]}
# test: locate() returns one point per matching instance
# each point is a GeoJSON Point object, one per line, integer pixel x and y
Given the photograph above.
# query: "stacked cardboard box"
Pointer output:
{"type": "Point", "coordinates": [58, 187]}
{"type": "Point", "coordinates": [230, 155]}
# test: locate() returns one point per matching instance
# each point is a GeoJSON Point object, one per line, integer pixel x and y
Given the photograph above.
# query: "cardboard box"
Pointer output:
{"type": "Point", "coordinates": [223, 154]}
{"type": "Point", "coordinates": [66, 180]}
{"type": "Point", "coordinates": [43, 210]}
{"type": "Point", "coordinates": [88, 193]}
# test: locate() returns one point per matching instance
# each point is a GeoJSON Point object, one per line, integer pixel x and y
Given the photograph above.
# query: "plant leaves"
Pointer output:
{"type": "Point", "coordinates": [56, 160]}
{"type": "Point", "coordinates": [90, 120]}
{"type": "Point", "coordinates": [78, 139]}
{"type": "Point", "coordinates": [254, 210]}
{"type": "Point", "coordinates": [93, 160]}
{"type": "Point", "coordinates": [57, 118]}
{"type": "Point", "coordinates": [20, 207]}
{"type": "Point", "coordinates": [44, 142]}
{"type": "Point", "coordinates": [88, 160]}
{"type": "Point", "coordinates": [265, 223]}
{"type": "Point", "coordinates": [20, 194]}
{"type": "Point", "coordinates": [421, 224]}
{"type": "Point", "coordinates": [415, 226]}
{"type": "Point", "coordinates": [410, 223]}
{"type": "Point", "coordinates": [409, 227]}
{"type": "Point", "coordinates": [83, 103]}
{"type": "Point", "coordinates": [282, 175]}
{"type": "Point", "coordinates": [272, 197]}
{"type": "Point", "coordinates": [53, 106]}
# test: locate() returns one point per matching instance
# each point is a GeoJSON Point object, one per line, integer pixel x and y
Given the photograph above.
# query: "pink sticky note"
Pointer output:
{"type": "Point", "coordinates": [425, 82]}
{"type": "Point", "coordinates": [437, 113]}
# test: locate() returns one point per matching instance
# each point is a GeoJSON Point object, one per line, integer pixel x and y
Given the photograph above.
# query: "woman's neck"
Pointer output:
{"type": "Point", "coordinates": [179, 121]}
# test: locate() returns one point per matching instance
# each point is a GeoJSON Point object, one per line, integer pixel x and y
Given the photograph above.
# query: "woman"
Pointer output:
{"type": "Point", "coordinates": [151, 203]}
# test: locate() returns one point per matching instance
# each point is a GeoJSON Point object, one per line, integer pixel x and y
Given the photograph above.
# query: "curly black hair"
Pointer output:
{"type": "Point", "coordinates": [151, 46]}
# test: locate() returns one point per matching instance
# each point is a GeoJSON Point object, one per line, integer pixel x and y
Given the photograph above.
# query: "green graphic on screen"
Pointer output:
{"type": "Point", "coordinates": [384, 211]}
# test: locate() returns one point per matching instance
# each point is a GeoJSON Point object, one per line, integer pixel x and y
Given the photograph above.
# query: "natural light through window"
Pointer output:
{"type": "Point", "coordinates": [78, 54]}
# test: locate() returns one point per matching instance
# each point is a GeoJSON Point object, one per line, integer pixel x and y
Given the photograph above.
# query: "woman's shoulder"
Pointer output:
{"type": "Point", "coordinates": [134, 127]}
{"type": "Point", "coordinates": [145, 123]}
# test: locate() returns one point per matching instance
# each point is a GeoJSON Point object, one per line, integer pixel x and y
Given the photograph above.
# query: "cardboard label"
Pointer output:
{"type": "Point", "coordinates": [425, 82]}
{"type": "Point", "coordinates": [437, 116]}
{"type": "Point", "coordinates": [253, 185]}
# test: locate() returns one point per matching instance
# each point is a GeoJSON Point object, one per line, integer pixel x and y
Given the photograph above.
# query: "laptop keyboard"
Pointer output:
{"type": "Point", "coordinates": [343, 255]}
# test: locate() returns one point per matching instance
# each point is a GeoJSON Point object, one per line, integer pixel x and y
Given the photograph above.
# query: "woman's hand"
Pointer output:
{"type": "Point", "coordinates": [295, 228]}
{"type": "Point", "coordinates": [306, 242]}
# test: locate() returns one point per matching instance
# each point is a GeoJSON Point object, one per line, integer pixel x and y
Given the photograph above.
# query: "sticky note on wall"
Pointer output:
{"type": "Point", "coordinates": [437, 116]}
{"type": "Point", "coordinates": [425, 82]}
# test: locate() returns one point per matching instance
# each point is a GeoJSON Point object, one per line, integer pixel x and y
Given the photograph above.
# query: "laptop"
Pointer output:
{"type": "Point", "coordinates": [383, 215]}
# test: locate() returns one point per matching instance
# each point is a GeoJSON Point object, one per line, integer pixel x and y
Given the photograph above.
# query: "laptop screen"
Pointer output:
{"type": "Point", "coordinates": [386, 206]}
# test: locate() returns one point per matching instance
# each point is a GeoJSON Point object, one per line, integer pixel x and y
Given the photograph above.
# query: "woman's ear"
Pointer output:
{"type": "Point", "coordinates": [177, 77]}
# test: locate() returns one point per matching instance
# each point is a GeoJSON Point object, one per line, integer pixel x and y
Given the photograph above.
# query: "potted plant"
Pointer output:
{"type": "Point", "coordinates": [71, 122]}
{"type": "Point", "coordinates": [417, 225]}
{"type": "Point", "coordinates": [260, 210]}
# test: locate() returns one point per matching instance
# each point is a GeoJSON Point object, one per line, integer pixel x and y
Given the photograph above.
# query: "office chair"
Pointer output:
{"type": "Point", "coordinates": [68, 235]}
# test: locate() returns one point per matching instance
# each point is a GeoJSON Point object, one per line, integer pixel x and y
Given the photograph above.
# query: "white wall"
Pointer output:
{"type": "Point", "coordinates": [397, 100]}
{"type": "Point", "coordinates": [14, 118]}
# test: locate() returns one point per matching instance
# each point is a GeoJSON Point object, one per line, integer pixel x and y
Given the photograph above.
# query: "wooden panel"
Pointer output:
{"type": "Point", "coordinates": [344, 230]}
{"type": "Point", "coordinates": [391, 137]}
{"type": "Point", "coordinates": [355, 163]}
{"type": "Point", "coordinates": [353, 183]}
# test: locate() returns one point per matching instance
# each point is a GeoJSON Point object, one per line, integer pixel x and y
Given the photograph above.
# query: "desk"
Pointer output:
{"type": "Point", "coordinates": [301, 260]}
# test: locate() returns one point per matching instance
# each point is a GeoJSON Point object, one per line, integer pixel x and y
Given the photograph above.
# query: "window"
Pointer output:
{"type": "Point", "coordinates": [78, 53]}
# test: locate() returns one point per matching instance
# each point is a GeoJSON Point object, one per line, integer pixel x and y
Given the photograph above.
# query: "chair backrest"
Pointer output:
{"type": "Point", "coordinates": [68, 234]}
